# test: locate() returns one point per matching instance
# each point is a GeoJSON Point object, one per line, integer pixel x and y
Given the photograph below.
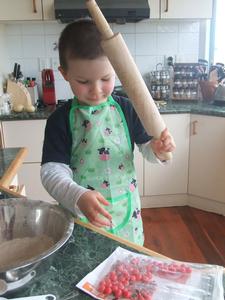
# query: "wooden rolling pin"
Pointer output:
{"type": "Point", "coordinates": [118, 54]}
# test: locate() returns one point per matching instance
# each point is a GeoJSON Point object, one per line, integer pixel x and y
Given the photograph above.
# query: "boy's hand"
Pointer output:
{"type": "Point", "coordinates": [164, 144]}
{"type": "Point", "coordinates": [89, 204]}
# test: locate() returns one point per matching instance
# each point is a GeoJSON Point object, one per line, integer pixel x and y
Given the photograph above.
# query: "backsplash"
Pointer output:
{"type": "Point", "coordinates": [34, 46]}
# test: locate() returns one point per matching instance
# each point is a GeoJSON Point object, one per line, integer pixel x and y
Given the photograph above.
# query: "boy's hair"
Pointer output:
{"type": "Point", "coordinates": [79, 39]}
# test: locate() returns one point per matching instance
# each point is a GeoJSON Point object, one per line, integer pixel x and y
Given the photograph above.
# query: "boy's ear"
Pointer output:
{"type": "Point", "coordinates": [63, 72]}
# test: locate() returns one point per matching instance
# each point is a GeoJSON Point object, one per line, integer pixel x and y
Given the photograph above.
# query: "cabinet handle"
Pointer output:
{"type": "Point", "coordinates": [194, 131]}
{"type": "Point", "coordinates": [34, 7]}
{"type": "Point", "coordinates": [167, 6]}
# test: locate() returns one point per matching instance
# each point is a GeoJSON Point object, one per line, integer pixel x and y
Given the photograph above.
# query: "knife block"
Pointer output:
{"type": "Point", "coordinates": [20, 96]}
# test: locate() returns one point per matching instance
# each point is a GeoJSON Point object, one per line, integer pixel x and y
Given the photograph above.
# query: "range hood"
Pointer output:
{"type": "Point", "coordinates": [118, 11]}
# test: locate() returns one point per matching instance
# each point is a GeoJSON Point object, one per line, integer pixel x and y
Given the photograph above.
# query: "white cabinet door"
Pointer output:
{"type": "Point", "coordinates": [29, 175]}
{"type": "Point", "coordinates": [20, 10]}
{"type": "Point", "coordinates": [28, 133]}
{"type": "Point", "coordinates": [183, 9]}
{"type": "Point", "coordinates": [48, 10]}
{"type": "Point", "coordinates": [207, 158]}
{"type": "Point", "coordinates": [139, 168]}
{"type": "Point", "coordinates": [154, 9]}
{"type": "Point", "coordinates": [172, 178]}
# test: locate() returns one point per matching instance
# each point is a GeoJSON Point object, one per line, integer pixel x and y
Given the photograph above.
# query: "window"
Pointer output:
{"type": "Point", "coordinates": [219, 45]}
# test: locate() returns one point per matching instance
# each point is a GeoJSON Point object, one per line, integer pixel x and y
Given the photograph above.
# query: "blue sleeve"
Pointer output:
{"type": "Point", "coordinates": [58, 140]}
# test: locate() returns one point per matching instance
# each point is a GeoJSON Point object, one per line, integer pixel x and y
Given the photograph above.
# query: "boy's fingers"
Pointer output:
{"type": "Point", "coordinates": [102, 200]}
{"type": "Point", "coordinates": [164, 134]}
{"type": "Point", "coordinates": [104, 213]}
{"type": "Point", "coordinates": [100, 222]}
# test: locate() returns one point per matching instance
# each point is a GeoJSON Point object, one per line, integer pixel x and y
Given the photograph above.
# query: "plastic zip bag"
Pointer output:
{"type": "Point", "coordinates": [128, 275]}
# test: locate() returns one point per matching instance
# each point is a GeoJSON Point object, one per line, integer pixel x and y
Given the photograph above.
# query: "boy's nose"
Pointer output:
{"type": "Point", "coordinates": [95, 89]}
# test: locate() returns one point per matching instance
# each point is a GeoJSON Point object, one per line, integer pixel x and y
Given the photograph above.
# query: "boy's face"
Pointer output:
{"type": "Point", "coordinates": [91, 81]}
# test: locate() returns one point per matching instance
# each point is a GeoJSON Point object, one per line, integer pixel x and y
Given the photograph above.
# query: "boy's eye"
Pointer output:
{"type": "Point", "coordinates": [105, 79]}
{"type": "Point", "coordinates": [82, 82]}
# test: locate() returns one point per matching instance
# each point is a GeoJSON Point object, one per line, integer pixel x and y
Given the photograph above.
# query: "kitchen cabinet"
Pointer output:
{"type": "Point", "coordinates": [12, 10]}
{"type": "Point", "coordinates": [207, 158]}
{"type": "Point", "coordinates": [29, 134]}
{"type": "Point", "coordinates": [48, 10]}
{"type": "Point", "coordinates": [181, 9]}
{"type": "Point", "coordinates": [170, 179]}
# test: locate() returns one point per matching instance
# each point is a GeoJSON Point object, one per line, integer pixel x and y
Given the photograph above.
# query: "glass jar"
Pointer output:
{"type": "Point", "coordinates": [5, 106]}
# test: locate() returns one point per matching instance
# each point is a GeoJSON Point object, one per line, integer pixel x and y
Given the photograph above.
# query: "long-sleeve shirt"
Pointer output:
{"type": "Point", "coordinates": [56, 174]}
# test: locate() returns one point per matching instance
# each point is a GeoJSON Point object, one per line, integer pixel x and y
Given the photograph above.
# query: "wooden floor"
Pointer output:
{"type": "Point", "coordinates": [186, 234]}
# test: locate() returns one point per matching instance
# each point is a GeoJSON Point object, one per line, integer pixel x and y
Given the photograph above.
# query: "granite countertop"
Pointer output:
{"type": "Point", "coordinates": [200, 108]}
{"type": "Point", "coordinates": [172, 107]}
{"type": "Point", "coordinates": [84, 251]}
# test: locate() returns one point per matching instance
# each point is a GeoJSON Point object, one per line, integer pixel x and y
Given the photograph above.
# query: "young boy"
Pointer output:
{"type": "Point", "coordinates": [87, 162]}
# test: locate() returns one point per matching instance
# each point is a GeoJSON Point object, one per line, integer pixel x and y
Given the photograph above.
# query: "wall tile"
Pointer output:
{"type": "Point", "coordinates": [63, 90]}
{"type": "Point", "coordinates": [14, 45]}
{"type": "Point", "coordinates": [124, 28]}
{"type": "Point", "coordinates": [33, 46]}
{"type": "Point", "coordinates": [30, 67]}
{"type": "Point", "coordinates": [130, 42]}
{"type": "Point", "coordinates": [188, 43]}
{"type": "Point", "coordinates": [146, 64]}
{"type": "Point", "coordinates": [53, 28]}
{"type": "Point", "coordinates": [167, 43]}
{"type": "Point", "coordinates": [146, 26]}
{"type": "Point", "coordinates": [13, 29]}
{"type": "Point", "coordinates": [189, 27]}
{"type": "Point", "coordinates": [146, 44]}
{"type": "Point", "coordinates": [33, 29]}
{"type": "Point", "coordinates": [188, 58]}
{"type": "Point", "coordinates": [167, 27]}
{"type": "Point", "coordinates": [149, 41]}
{"type": "Point", "coordinates": [51, 44]}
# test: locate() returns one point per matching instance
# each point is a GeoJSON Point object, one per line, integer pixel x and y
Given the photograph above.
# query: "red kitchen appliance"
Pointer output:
{"type": "Point", "coordinates": [48, 87]}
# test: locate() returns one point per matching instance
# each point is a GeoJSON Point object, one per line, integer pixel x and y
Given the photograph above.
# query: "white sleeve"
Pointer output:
{"type": "Point", "coordinates": [149, 155]}
{"type": "Point", "coordinates": [57, 178]}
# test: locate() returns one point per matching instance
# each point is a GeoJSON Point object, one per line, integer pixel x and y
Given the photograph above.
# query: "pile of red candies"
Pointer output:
{"type": "Point", "coordinates": [133, 278]}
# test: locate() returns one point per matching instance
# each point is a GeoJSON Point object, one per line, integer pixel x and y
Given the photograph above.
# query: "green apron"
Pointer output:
{"type": "Point", "coordinates": [102, 160]}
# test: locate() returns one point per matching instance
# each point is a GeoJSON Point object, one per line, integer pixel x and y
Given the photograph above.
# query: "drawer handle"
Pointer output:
{"type": "Point", "coordinates": [167, 6]}
{"type": "Point", "coordinates": [34, 6]}
{"type": "Point", "coordinates": [194, 125]}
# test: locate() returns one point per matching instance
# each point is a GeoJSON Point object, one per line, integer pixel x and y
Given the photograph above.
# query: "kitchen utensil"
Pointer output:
{"type": "Point", "coordinates": [48, 86]}
{"type": "Point", "coordinates": [15, 70]}
{"type": "Point", "coordinates": [43, 297]}
{"type": "Point", "coordinates": [19, 96]}
{"type": "Point", "coordinates": [22, 219]}
{"type": "Point", "coordinates": [208, 89]}
{"type": "Point", "coordinates": [219, 96]}
{"type": "Point", "coordinates": [129, 75]}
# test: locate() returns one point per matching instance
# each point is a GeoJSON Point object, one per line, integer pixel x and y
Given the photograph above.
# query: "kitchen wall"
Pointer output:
{"type": "Point", "coordinates": [4, 63]}
{"type": "Point", "coordinates": [34, 46]}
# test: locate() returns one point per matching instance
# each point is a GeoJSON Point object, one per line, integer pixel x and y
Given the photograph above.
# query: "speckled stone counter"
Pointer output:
{"type": "Point", "coordinates": [199, 108]}
{"type": "Point", "coordinates": [81, 254]}
{"type": "Point", "coordinates": [43, 113]}
{"type": "Point", "coordinates": [175, 107]}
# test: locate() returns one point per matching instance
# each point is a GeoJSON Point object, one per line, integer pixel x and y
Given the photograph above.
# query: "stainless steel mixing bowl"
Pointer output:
{"type": "Point", "coordinates": [22, 218]}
